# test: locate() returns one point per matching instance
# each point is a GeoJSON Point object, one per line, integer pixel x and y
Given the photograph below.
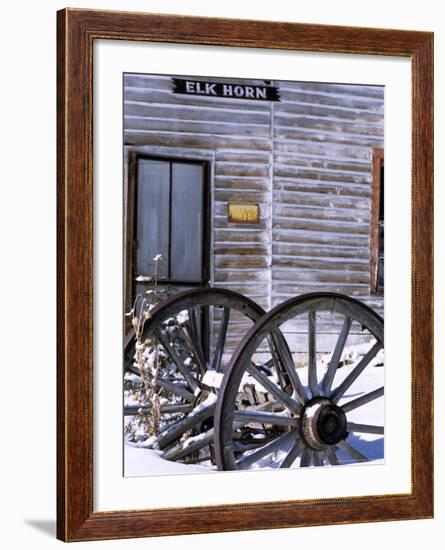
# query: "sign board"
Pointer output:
{"type": "Point", "coordinates": [243, 212]}
{"type": "Point", "coordinates": [225, 89]}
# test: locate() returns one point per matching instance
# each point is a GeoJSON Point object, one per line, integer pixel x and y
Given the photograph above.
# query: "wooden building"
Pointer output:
{"type": "Point", "coordinates": [312, 162]}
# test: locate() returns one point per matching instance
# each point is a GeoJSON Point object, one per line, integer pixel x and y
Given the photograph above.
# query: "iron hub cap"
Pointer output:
{"type": "Point", "coordinates": [323, 423]}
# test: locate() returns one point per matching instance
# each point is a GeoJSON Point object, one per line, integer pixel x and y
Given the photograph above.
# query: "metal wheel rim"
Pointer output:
{"type": "Point", "coordinates": [170, 307]}
{"type": "Point", "coordinates": [225, 409]}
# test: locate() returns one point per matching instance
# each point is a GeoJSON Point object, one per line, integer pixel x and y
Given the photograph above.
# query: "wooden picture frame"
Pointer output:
{"type": "Point", "coordinates": [77, 31]}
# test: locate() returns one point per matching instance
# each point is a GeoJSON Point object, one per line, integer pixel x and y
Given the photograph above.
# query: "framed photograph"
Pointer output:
{"type": "Point", "coordinates": [245, 308]}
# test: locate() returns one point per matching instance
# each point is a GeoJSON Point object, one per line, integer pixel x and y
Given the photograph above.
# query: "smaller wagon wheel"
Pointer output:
{"type": "Point", "coordinates": [178, 331]}
{"type": "Point", "coordinates": [330, 411]}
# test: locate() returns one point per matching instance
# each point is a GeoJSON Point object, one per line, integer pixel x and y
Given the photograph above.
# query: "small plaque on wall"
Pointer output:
{"type": "Point", "coordinates": [243, 212]}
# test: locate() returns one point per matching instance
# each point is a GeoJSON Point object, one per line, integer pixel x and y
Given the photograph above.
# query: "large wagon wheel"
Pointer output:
{"type": "Point", "coordinates": [177, 328]}
{"type": "Point", "coordinates": [329, 412]}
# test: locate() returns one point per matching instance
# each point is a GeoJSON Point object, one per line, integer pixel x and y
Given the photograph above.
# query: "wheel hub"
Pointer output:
{"type": "Point", "coordinates": [323, 423]}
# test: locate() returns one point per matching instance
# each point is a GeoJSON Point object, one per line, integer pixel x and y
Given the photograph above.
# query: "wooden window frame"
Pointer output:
{"type": "Point", "coordinates": [377, 164]}
{"type": "Point", "coordinates": [130, 220]}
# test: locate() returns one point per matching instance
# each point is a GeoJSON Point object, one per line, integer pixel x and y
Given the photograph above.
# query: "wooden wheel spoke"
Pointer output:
{"type": "Point", "coordinates": [241, 446]}
{"type": "Point", "coordinates": [173, 355]}
{"type": "Point", "coordinates": [197, 460]}
{"type": "Point", "coordinates": [283, 357]}
{"type": "Point", "coordinates": [176, 389]}
{"type": "Point", "coordinates": [312, 355]}
{"type": "Point", "coordinates": [195, 324]}
{"type": "Point", "coordinates": [363, 400]}
{"type": "Point", "coordinates": [132, 410]}
{"type": "Point", "coordinates": [293, 454]}
{"type": "Point", "coordinates": [268, 385]}
{"type": "Point", "coordinates": [189, 446]}
{"type": "Point", "coordinates": [318, 458]}
{"type": "Point", "coordinates": [351, 451]}
{"type": "Point", "coordinates": [203, 333]}
{"type": "Point", "coordinates": [134, 370]}
{"type": "Point", "coordinates": [219, 349]}
{"type": "Point", "coordinates": [173, 433]}
{"type": "Point", "coordinates": [191, 339]}
{"type": "Point", "coordinates": [331, 456]}
{"type": "Point", "coordinates": [365, 428]}
{"type": "Point", "coordinates": [353, 375]}
{"type": "Point", "coordinates": [336, 356]}
{"type": "Point", "coordinates": [306, 457]}
{"type": "Point", "coordinates": [257, 417]}
{"type": "Point", "coordinates": [248, 460]}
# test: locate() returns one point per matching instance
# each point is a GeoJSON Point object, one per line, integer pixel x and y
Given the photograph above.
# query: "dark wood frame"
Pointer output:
{"type": "Point", "coordinates": [77, 30]}
{"type": "Point", "coordinates": [377, 163]}
{"type": "Point", "coordinates": [133, 157]}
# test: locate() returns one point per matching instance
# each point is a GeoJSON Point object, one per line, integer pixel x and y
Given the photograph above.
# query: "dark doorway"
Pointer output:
{"type": "Point", "coordinates": [168, 215]}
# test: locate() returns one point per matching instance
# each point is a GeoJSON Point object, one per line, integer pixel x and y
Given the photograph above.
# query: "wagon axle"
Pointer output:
{"type": "Point", "coordinates": [322, 423]}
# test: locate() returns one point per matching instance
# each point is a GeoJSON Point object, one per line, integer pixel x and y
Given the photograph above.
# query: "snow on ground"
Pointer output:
{"type": "Point", "coordinates": [146, 462]}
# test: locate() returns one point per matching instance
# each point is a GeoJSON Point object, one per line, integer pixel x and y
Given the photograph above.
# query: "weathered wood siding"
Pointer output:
{"type": "Point", "coordinates": [306, 160]}
{"type": "Point", "coordinates": [323, 136]}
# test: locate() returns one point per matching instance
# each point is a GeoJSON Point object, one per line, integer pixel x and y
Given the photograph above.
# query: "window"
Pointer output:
{"type": "Point", "coordinates": [166, 215]}
{"type": "Point", "coordinates": [377, 222]}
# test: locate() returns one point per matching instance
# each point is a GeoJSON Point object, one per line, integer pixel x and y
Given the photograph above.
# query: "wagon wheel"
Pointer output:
{"type": "Point", "coordinates": [177, 328]}
{"type": "Point", "coordinates": [330, 416]}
